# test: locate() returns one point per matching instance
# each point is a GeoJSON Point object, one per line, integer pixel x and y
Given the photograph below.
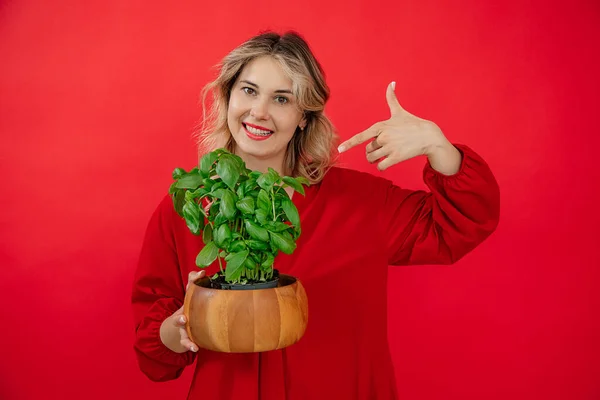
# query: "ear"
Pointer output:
{"type": "Point", "coordinates": [303, 122]}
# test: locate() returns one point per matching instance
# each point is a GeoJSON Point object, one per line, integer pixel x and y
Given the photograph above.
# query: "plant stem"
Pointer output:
{"type": "Point", "coordinates": [273, 203]}
{"type": "Point", "coordinates": [220, 265]}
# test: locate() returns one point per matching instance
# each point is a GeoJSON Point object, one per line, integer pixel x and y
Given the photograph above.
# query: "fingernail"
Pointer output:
{"type": "Point", "coordinates": [194, 349]}
{"type": "Point", "coordinates": [182, 319]}
{"type": "Point", "coordinates": [341, 149]}
{"type": "Point", "coordinates": [394, 85]}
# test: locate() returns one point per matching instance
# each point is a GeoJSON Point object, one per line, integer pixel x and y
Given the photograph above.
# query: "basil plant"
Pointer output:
{"type": "Point", "coordinates": [245, 217]}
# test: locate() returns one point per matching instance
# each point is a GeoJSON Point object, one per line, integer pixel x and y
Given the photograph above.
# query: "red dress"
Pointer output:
{"type": "Point", "coordinates": [353, 225]}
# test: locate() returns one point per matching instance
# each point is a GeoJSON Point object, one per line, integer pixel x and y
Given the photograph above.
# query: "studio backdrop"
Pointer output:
{"type": "Point", "coordinates": [98, 104]}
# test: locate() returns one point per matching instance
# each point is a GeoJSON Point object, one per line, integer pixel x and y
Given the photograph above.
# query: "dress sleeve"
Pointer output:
{"type": "Point", "coordinates": [444, 224]}
{"type": "Point", "coordinates": [157, 293]}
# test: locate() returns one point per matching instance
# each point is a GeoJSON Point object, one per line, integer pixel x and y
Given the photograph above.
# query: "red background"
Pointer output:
{"type": "Point", "coordinates": [98, 100]}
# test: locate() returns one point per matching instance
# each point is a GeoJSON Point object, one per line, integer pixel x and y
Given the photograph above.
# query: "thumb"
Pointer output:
{"type": "Point", "coordinates": [392, 100]}
{"type": "Point", "coordinates": [193, 276]}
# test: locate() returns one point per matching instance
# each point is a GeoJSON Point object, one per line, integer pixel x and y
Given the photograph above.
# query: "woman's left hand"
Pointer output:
{"type": "Point", "coordinates": [403, 137]}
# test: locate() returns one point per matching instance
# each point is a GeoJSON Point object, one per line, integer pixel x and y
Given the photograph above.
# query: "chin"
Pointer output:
{"type": "Point", "coordinates": [256, 149]}
{"type": "Point", "coordinates": [259, 149]}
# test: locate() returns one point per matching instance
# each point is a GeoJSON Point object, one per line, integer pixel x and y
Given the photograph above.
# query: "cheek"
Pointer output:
{"type": "Point", "coordinates": [288, 121]}
{"type": "Point", "coordinates": [235, 108]}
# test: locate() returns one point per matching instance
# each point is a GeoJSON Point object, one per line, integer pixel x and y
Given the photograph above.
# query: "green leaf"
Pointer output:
{"type": "Point", "coordinates": [178, 201]}
{"type": "Point", "coordinates": [274, 247]}
{"type": "Point", "coordinates": [228, 205]}
{"type": "Point", "coordinates": [236, 246]}
{"type": "Point", "coordinates": [246, 205]}
{"type": "Point", "coordinates": [213, 211]}
{"type": "Point", "coordinates": [178, 173]}
{"type": "Point", "coordinates": [240, 191]}
{"type": "Point", "coordinates": [276, 226]}
{"type": "Point", "coordinates": [291, 212]}
{"type": "Point", "coordinates": [296, 232]}
{"type": "Point", "coordinates": [263, 200]}
{"type": "Point", "coordinates": [208, 183]}
{"type": "Point", "coordinates": [193, 219]}
{"type": "Point", "coordinates": [207, 234]}
{"type": "Point", "coordinates": [235, 262]}
{"type": "Point", "coordinates": [249, 263]}
{"type": "Point", "coordinates": [283, 241]}
{"type": "Point", "coordinates": [206, 163]}
{"type": "Point", "coordinates": [190, 181]}
{"type": "Point", "coordinates": [207, 255]}
{"type": "Point", "coordinates": [268, 263]}
{"type": "Point", "coordinates": [255, 175]}
{"type": "Point", "coordinates": [281, 195]}
{"type": "Point", "coordinates": [217, 192]}
{"type": "Point", "coordinates": [257, 245]}
{"type": "Point", "coordinates": [200, 192]}
{"type": "Point", "coordinates": [302, 180]}
{"type": "Point", "coordinates": [267, 180]}
{"type": "Point", "coordinates": [220, 219]}
{"type": "Point", "coordinates": [173, 188]}
{"type": "Point", "coordinates": [275, 174]}
{"type": "Point", "coordinates": [262, 216]}
{"type": "Point", "coordinates": [256, 231]}
{"type": "Point", "coordinates": [222, 236]}
{"type": "Point", "coordinates": [228, 170]}
{"type": "Point", "coordinates": [240, 163]}
{"type": "Point", "coordinates": [249, 184]}
{"type": "Point", "coordinates": [294, 184]}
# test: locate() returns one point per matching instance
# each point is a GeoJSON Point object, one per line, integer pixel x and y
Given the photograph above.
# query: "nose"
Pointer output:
{"type": "Point", "coordinates": [260, 109]}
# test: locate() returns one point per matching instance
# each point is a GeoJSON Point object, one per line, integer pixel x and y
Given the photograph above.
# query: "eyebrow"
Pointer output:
{"type": "Point", "coordinates": [277, 91]}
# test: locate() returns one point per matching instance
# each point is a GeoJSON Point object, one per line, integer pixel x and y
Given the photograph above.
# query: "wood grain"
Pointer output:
{"type": "Point", "coordinates": [246, 321]}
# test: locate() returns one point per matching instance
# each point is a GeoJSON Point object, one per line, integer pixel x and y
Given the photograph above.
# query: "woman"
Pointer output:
{"type": "Point", "coordinates": [268, 108]}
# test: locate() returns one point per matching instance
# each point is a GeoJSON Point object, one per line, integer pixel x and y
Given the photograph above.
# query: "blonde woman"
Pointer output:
{"type": "Point", "coordinates": [268, 103]}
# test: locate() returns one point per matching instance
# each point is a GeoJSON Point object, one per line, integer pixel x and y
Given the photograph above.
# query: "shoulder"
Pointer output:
{"type": "Point", "coordinates": [165, 215]}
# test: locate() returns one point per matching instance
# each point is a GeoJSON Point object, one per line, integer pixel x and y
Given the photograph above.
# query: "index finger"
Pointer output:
{"type": "Point", "coordinates": [359, 138]}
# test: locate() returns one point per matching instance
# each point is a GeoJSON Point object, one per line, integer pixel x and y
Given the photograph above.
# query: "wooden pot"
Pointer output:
{"type": "Point", "coordinates": [246, 321]}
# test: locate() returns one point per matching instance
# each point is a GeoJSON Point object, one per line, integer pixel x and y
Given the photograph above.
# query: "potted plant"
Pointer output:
{"type": "Point", "coordinates": [245, 218]}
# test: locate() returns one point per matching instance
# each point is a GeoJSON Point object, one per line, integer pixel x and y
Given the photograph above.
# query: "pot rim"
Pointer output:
{"type": "Point", "coordinates": [283, 280]}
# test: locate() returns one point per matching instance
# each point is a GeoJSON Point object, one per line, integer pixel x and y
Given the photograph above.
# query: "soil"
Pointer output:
{"type": "Point", "coordinates": [220, 283]}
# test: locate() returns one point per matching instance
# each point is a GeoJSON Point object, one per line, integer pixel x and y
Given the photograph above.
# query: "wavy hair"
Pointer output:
{"type": "Point", "coordinates": [310, 151]}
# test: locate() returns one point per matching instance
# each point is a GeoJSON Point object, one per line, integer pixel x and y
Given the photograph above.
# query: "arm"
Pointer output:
{"type": "Point", "coordinates": [463, 206]}
{"type": "Point", "coordinates": [441, 226]}
{"type": "Point", "coordinates": [157, 294]}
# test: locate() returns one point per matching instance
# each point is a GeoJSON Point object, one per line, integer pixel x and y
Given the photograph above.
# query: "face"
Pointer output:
{"type": "Point", "coordinates": [263, 114]}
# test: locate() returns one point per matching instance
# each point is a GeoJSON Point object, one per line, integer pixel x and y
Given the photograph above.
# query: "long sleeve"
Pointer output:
{"type": "Point", "coordinates": [157, 293]}
{"type": "Point", "coordinates": [444, 224]}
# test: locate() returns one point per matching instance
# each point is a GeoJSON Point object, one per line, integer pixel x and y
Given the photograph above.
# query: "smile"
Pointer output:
{"type": "Point", "coordinates": [256, 133]}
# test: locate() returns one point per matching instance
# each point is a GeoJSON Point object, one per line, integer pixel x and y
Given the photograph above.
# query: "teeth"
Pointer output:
{"type": "Point", "coordinates": [259, 132]}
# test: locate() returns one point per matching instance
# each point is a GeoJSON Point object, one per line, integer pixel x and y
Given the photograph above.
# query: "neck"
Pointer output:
{"type": "Point", "coordinates": [263, 164]}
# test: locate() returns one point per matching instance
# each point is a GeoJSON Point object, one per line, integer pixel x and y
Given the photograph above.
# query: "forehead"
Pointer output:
{"type": "Point", "coordinates": [266, 72]}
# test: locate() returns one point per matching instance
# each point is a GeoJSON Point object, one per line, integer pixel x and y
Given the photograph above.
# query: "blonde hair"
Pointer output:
{"type": "Point", "coordinates": [310, 152]}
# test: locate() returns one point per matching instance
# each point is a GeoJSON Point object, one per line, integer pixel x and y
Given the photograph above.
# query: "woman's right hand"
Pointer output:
{"type": "Point", "coordinates": [172, 330]}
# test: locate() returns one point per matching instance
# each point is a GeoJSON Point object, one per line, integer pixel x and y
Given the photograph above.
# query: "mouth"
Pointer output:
{"type": "Point", "coordinates": [256, 132]}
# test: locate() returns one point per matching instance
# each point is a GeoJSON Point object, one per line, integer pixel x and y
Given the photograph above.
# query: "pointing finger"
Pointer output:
{"type": "Point", "coordinates": [359, 138]}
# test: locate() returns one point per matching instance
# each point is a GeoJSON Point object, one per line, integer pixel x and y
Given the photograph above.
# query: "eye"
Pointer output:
{"type": "Point", "coordinates": [281, 99]}
{"type": "Point", "coordinates": [248, 90]}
